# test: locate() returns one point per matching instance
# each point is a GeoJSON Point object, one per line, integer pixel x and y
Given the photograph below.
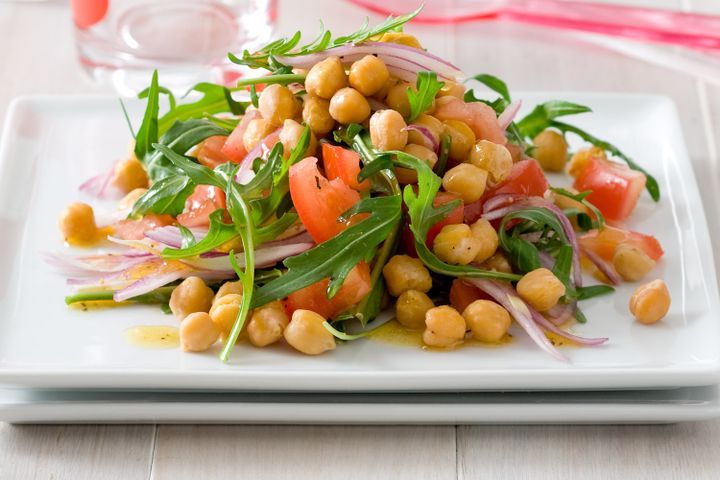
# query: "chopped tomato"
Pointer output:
{"type": "Point", "coordinates": [210, 152]}
{"type": "Point", "coordinates": [615, 189]}
{"type": "Point", "coordinates": [234, 148]}
{"type": "Point", "coordinates": [319, 201]}
{"type": "Point", "coordinates": [344, 164]}
{"type": "Point", "coordinates": [604, 242]}
{"type": "Point", "coordinates": [135, 229]}
{"type": "Point", "coordinates": [463, 294]}
{"type": "Point", "coordinates": [526, 178]}
{"type": "Point", "coordinates": [314, 297]}
{"type": "Point", "coordinates": [455, 216]}
{"type": "Point", "coordinates": [198, 206]}
{"type": "Point", "coordinates": [479, 117]}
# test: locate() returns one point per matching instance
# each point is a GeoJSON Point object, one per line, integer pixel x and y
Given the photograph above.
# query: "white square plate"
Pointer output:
{"type": "Point", "coordinates": [51, 144]}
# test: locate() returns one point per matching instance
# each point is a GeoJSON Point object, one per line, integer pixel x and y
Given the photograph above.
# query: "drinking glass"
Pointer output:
{"type": "Point", "coordinates": [122, 41]}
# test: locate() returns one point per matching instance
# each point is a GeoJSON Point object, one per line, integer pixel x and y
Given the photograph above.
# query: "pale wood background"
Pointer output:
{"type": "Point", "coordinates": [37, 56]}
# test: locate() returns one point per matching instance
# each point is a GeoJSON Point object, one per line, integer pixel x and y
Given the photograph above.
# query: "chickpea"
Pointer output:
{"type": "Point", "coordinates": [488, 321]}
{"type": "Point", "coordinates": [444, 327]}
{"type": "Point", "coordinates": [400, 38]}
{"type": "Point", "coordinates": [267, 324]}
{"type": "Point", "coordinates": [550, 150]}
{"type": "Point", "coordinates": [224, 312]}
{"type": "Point", "coordinates": [456, 244]}
{"type": "Point", "coordinates": [290, 136]}
{"type": "Point", "coordinates": [228, 288]}
{"type": "Point", "coordinates": [129, 200]}
{"type": "Point", "coordinates": [650, 302]}
{"type": "Point", "coordinates": [403, 273]}
{"type": "Point", "coordinates": [397, 98]}
{"type": "Point", "coordinates": [198, 332]}
{"type": "Point", "coordinates": [306, 333]}
{"type": "Point", "coordinates": [77, 224]}
{"type": "Point", "coordinates": [452, 89]}
{"type": "Point", "coordinates": [462, 138]}
{"type": "Point", "coordinates": [368, 75]}
{"type": "Point", "coordinates": [387, 130]}
{"type": "Point", "coordinates": [191, 296]}
{"type": "Point", "coordinates": [408, 175]}
{"type": "Point", "coordinates": [325, 78]}
{"type": "Point", "coordinates": [129, 175]}
{"type": "Point", "coordinates": [487, 237]}
{"type": "Point", "coordinates": [582, 157]}
{"type": "Point", "coordinates": [411, 307]}
{"type": "Point", "coordinates": [494, 158]}
{"type": "Point", "coordinates": [349, 106]}
{"type": "Point", "coordinates": [316, 114]}
{"type": "Point", "coordinates": [256, 130]}
{"type": "Point", "coordinates": [631, 262]}
{"type": "Point", "coordinates": [541, 289]}
{"type": "Point", "coordinates": [467, 181]}
{"type": "Point", "coordinates": [276, 104]}
{"type": "Point", "coordinates": [498, 263]}
{"type": "Point", "coordinates": [432, 124]}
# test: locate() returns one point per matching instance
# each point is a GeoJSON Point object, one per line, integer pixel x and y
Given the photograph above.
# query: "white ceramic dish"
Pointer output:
{"type": "Point", "coordinates": [51, 144]}
{"type": "Point", "coordinates": [647, 406]}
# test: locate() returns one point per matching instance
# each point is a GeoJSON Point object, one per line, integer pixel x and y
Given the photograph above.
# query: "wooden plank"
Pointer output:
{"type": "Point", "coordinates": [212, 452]}
{"type": "Point", "coordinates": [75, 452]}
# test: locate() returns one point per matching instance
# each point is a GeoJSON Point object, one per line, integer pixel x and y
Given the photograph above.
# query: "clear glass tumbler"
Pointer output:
{"type": "Point", "coordinates": [122, 41]}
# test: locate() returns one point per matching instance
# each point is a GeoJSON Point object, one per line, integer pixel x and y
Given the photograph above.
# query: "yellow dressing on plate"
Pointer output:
{"type": "Point", "coordinates": [153, 336]}
{"type": "Point", "coordinates": [392, 333]}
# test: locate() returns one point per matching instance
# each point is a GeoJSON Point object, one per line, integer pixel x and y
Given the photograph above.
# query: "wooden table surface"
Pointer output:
{"type": "Point", "coordinates": [37, 56]}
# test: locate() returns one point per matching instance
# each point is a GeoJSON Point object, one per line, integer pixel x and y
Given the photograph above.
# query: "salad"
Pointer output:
{"type": "Point", "coordinates": [356, 180]}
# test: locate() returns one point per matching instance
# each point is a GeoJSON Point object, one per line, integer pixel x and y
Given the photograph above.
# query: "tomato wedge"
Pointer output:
{"type": "Point", "coordinates": [319, 201]}
{"type": "Point", "coordinates": [455, 216]}
{"type": "Point", "coordinates": [314, 297]}
{"type": "Point", "coordinates": [204, 200]}
{"type": "Point", "coordinates": [615, 189]}
{"type": "Point", "coordinates": [463, 294]}
{"type": "Point", "coordinates": [135, 229]}
{"type": "Point", "coordinates": [344, 164]}
{"type": "Point", "coordinates": [234, 148]}
{"type": "Point", "coordinates": [210, 152]}
{"type": "Point", "coordinates": [604, 242]}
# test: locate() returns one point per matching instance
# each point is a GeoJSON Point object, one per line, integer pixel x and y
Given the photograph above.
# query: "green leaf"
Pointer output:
{"type": "Point", "coordinates": [542, 116]}
{"type": "Point", "coordinates": [147, 134]}
{"type": "Point", "coordinates": [215, 99]}
{"type": "Point", "coordinates": [335, 257]}
{"type": "Point", "coordinates": [583, 293]}
{"type": "Point", "coordinates": [427, 86]}
{"type": "Point", "coordinates": [443, 155]}
{"type": "Point", "coordinates": [188, 239]}
{"type": "Point", "coordinates": [494, 84]}
{"type": "Point", "coordinates": [166, 196]}
{"type": "Point", "coordinates": [218, 234]}
{"type": "Point", "coordinates": [271, 231]}
{"type": "Point", "coordinates": [521, 253]}
{"type": "Point", "coordinates": [651, 185]}
{"type": "Point", "coordinates": [599, 220]}
{"type": "Point", "coordinates": [199, 174]}
{"type": "Point", "coordinates": [158, 296]}
{"type": "Point", "coordinates": [254, 96]}
{"type": "Point", "coordinates": [563, 265]}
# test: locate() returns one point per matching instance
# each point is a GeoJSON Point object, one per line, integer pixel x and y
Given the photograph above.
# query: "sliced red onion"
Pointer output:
{"type": "Point", "coordinates": [147, 284]}
{"type": "Point", "coordinates": [376, 105]}
{"type": "Point", "coordinates": [429, 140]}
{"type": "Point", "coordinates": [551, 327]}
{"type": "Point", "coordinates": [506, 296]}
{"type": "Point", "coordinates": [100, 186]}
{"type": "Point", "coordinates": [261, 150]}
{"type": "Point", "coordinates": [171, 236]}
{"type": "Point", "coordinates": [602, 265]}
{"type": "Point", "coordinates": [508, 115]}
{"type": "Point", "coordinates": [83, 266]}
{"type": "Point", "coordinates": [562, 312]}
{"type": "Point", "coordinates": [264, 257]}
{"type": "Point", "coordinates": [301, 237]}
{"type": "Point", "coordinates": [497, 201]}
{"type": "Point", "coordinates": [145, 245]}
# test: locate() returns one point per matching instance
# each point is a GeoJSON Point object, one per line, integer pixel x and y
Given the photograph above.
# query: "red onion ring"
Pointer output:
{"type": "Point", "coordinates": [428, 138]}
{"type": "Point", "coordinates": [602, 265]}
{"type": "Point", "coordinates": [508, 115]}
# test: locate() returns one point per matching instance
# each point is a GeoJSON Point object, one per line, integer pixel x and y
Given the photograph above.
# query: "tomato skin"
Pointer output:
{"type": "Point", "coordinates": [210, 152]}
{"type": "Point", "coordinates": [314, 297]}
{"type": "Point", "coordinates": [135, 229]}
{"type": "Point", "coordinates": [204, 200]}
{"type": "Point", "coordinates": [319, 201]}
{"type": "Point", "coordinates": [344, 164]}
{"type": "Point", "coordinates": [615, 189]}
{"type": "Point", "coordinates": [234, 148]}
{"type": "Point", "coordinates": [463, 294]}
{"type": "Point", "coordinates": [605, 241]}
{"type": "Point", "coordinates": [455, 216]}
{"type": "Point", "coordinates": [526, 178]}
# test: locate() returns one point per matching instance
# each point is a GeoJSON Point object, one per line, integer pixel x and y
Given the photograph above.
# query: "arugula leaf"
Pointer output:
{"type": "Point", "coordinates": [218, 234]}
{"type": "Point", "coordinates": [542, 115]}
{"type": "Point", "coordinates": [188, 239]}
{"type": "Point", "coordinates": [583, 293]}
{"type": "Point", "coordinates": [279, 78]}
{"type": "Point", "coordinates": [271, 231]}
{"type": "Point", "coordinates": [599, 220]}
{"type": "Point", "coordinates": [147, 134]}
{"type": "Point", "coordinates": [254, 96]}
{"type": "Point", "coordinates": [521, 253]}
{"type": "Point", "coordinates": [563, 265]}
{"type": "Point", "coordinates": [651, 185]}
{"type": "Point", "coordinates": [494, 84]}
{"type": "Point", "coordinates": [199, 174]}
{"type": "Point", "coordinates": [443, 154]}
{"type": "Point", "coordinates": [336, 257]}
{"type": "Point", "coordinates": [427, 86]}
{"type": "Point", "coordinates": [160, 295]}
{"type": "Point", "coordinates": [265, 56]}
{"type": "Point", "coordinates": [167, 195]}
{"type": "Point", "coordinates": [215, 99]}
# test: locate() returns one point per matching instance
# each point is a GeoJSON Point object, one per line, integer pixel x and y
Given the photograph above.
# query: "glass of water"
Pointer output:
{"type": "Point", "coordinates": [122, 41]}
